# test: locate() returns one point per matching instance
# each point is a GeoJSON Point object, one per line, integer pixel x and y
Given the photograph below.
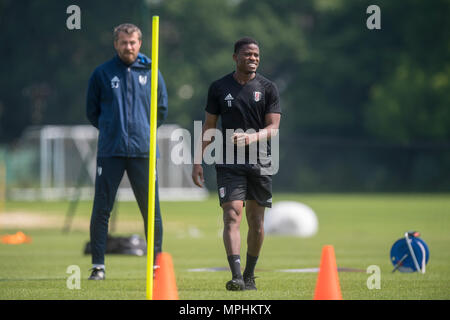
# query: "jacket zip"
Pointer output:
{"type": "Point", "coordinates": [129, 105]}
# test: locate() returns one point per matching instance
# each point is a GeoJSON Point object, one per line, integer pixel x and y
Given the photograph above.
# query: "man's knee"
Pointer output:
{"type": "Point", "coordinates": [232, 214]}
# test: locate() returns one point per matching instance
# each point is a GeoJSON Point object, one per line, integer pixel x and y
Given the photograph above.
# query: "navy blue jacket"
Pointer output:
{"type": "Point", "coordinates": [118, 105]}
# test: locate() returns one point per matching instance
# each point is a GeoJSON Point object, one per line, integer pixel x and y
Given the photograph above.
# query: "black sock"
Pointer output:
{"type": "Point", "coordinates": [235, 265]}
{"type": "Point", "coordinates": [250, 266]}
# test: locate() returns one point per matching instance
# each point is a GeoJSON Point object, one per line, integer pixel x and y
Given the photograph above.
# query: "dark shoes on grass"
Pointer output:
{"type": "Point", "coordinates": [250, 283]}
{"type": "Point", "coordinates": [240, 284]}
{"type": "Point", "coordinates": [97, 274]}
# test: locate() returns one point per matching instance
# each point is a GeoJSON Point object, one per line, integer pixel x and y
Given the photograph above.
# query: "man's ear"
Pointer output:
{"type": "Point", "coordinates": [235, 57]}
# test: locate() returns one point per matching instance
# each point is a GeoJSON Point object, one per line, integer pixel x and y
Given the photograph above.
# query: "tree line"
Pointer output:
{"type": "Point", "coordinates": [363, 110]}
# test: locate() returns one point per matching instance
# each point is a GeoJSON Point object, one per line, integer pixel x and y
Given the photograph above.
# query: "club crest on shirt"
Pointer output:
{"type": "Point", "coordinates": [256, 96]}
{"type": "Point", "coordinates": [222, 192]}
{"type": "Point", "coordinates": [142, 79]}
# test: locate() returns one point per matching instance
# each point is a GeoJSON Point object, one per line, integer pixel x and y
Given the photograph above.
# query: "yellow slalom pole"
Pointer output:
{"type": "Point", "coordinates": [152, 156]}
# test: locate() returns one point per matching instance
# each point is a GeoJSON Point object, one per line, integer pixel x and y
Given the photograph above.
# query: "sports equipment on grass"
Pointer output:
{"type": "Point", "coordinates": [291, 218]}
{"type": "Point", "coordinates": [327, 286]}
{"type": "Point", "coordinates": [410, 254]}
{"type": "Point", "coordinates": [165, 287]}
{"type": "Point", "coordinates": [152, 156]}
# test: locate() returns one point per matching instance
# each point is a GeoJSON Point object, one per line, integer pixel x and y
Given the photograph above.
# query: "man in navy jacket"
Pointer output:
{"type": "Point", "coordinates": [118, 105]}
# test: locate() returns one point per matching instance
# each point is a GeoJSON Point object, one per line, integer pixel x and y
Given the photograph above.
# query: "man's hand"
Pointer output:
{"type": "Point", "coordinates": [244, 139]}
{"type": "Point", "coordinates": [197, 175]}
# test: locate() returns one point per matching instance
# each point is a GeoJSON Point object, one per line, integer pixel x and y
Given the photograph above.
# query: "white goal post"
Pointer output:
{"type": "Point", "coordinates": [65, 158]}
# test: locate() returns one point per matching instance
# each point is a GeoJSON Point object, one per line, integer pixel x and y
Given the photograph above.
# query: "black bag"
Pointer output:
{"type": "Point", "coordinates": [132, 245]}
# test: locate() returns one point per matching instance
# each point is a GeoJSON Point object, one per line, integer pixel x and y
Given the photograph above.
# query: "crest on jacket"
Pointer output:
{"type": "Point", "coordinates": [142, 80]}
{"type": "Point", "coordinates": [115, 82]}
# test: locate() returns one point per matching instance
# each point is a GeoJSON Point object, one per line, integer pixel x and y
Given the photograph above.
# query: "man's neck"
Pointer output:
{"type": "Point", "coordinates": [243, 78]}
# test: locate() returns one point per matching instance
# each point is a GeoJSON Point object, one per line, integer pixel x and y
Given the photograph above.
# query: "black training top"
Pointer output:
{"type": "Point", "coordinates": [242, 106]}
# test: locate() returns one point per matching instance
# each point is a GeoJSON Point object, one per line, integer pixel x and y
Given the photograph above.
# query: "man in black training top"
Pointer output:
{"type": "Point", "coordinates": [249, 103]}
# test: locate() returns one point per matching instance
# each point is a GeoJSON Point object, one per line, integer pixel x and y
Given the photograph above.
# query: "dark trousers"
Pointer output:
{"type": "Point", "coordinates": [109, 175]}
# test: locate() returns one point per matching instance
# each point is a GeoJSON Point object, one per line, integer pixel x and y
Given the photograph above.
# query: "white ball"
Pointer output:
{"type": "Point", "coordinates": [291, 218]}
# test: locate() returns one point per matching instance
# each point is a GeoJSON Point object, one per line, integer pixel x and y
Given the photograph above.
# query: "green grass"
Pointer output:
{"type": "Point", "coordinates": [362, 229]}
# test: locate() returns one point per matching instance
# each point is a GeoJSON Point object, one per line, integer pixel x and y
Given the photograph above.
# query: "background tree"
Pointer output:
{"type": "Point", "coordinates": [362, 109]}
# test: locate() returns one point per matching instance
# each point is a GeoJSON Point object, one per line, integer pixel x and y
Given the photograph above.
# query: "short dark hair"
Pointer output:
{"type": "Point", "coordinates": [243, 42]}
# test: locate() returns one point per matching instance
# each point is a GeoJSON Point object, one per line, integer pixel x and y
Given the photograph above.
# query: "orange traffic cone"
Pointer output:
{"type": "Point", "coordinates": [327, 286]}
{"type": "Point", "coordinates": [17, 238]}
{"type": "Point", "coordinates": [165, 287]}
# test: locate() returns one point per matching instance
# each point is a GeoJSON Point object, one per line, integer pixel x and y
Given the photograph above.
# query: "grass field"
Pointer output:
{"type": "Point", "coordinates": [362, 229]}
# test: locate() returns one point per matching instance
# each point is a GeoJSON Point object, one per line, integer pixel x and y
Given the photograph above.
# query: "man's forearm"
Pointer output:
{"type": "Point", "coordinates": [267, 132]}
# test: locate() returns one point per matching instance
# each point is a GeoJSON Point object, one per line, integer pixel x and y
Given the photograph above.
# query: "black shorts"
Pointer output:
{"type": "Point", "coordinates": [244, 182]}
